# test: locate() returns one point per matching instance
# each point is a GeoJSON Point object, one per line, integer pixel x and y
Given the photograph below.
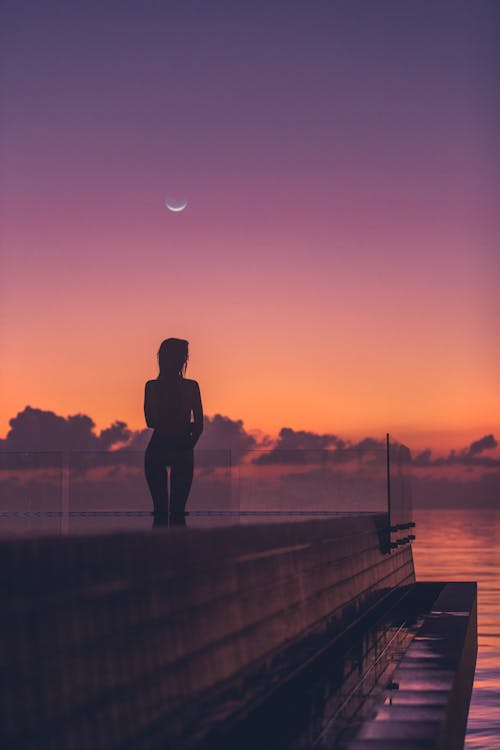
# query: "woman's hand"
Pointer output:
{"type": "Point", "coordinates": [194, 436]}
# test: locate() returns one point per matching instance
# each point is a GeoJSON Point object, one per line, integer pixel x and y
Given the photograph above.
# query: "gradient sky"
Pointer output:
{"type": "Point", "coordinates": [337, 267]}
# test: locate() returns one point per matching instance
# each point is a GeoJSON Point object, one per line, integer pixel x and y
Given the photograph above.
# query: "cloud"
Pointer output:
{"type": "Point", "coordinates": [298, 447]}
{"type": "Point", "coordinates": [138, 440]}
{"type": "Point", "coordinates": [289, 439]}
{"type": "Point", "coordinates": [39, 430]}
{"type": "Point", "coordinates": [485, 443]}
{"type": "Point", "coordinates": [424, 458]}
{"type": "Point", "coordinates": [117, 433]}
{"type": "Point", "coordinates": [223, 433]}
{"type": "Point", "coordinates": [468, 457]}
{"type": "Point", "coordinates": [368, 444]}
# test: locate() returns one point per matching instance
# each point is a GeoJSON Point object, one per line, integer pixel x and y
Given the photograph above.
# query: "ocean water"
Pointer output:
{"type": "Point", "coordinates": [464, 545]}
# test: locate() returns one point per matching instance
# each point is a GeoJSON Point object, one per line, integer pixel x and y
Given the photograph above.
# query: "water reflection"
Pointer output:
{"type": "Point", "coordinates": [464, 545]}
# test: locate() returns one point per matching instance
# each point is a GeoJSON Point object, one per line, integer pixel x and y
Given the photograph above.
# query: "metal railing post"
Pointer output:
{"type": "Point", "coordinates": [389, 509]}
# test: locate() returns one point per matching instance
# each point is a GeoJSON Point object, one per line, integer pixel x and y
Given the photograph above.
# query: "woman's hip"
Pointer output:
{"type": "Point", "coordinates": [168, 449]}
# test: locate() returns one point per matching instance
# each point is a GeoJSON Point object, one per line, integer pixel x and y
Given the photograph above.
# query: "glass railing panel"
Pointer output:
{"type": "Point", "coordinates": [108, 490]}
{"type": "Point", "coordinates": [212, 482]}
{"type": "Point", "coordinates": [89, 491]}
{"type": "Point", "coordinates": [313, 481]}
{"type": "Point", "coordinates": [31, 489]}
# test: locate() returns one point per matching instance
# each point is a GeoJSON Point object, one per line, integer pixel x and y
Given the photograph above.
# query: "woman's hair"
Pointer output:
{"type": "Point", "coordinates": [173, 357]}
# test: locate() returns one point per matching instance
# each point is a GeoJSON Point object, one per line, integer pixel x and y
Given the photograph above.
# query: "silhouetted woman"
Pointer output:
{"type": "Point", "coordinates": [172, 406]}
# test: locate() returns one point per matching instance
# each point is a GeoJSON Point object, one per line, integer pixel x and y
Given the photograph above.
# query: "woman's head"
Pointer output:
{"type": "Point", "coordinates": [173, 357]}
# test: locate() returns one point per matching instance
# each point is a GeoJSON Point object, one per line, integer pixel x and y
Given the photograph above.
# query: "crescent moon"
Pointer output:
{"type": "Point", "coordinates": [176, 207]}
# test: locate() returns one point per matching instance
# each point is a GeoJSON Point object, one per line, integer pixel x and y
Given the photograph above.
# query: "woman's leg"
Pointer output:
{"type": "Point", "coordinates": [155, 469]}
{"type": "Point", "coordinates": [181, 478]}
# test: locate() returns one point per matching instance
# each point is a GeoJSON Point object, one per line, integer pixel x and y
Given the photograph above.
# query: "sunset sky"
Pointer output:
{"type": "Point", "coordinates": [337, 266]}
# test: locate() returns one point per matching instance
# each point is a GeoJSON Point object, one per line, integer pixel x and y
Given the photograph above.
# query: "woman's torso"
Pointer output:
{"type": "Point", "coordinates": [172, 406]}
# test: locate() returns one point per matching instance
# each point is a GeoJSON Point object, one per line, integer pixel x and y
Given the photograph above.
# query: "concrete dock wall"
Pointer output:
{"type": "Point", "coordinates": [115, 641]}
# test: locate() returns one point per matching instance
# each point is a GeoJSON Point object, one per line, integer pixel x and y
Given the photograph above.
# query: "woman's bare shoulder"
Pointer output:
{"type": "Point", "coordinates": [192, 384]}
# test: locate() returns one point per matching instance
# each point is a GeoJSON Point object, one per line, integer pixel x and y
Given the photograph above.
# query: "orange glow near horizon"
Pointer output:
{"type": "Point", "coordinates": [343, 365]}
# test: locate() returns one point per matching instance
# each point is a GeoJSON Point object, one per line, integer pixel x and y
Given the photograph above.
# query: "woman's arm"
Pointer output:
{"type": "Point", "coordinates": [197, 409]}
{"type": "Point", "coordinates": [150, 406]}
